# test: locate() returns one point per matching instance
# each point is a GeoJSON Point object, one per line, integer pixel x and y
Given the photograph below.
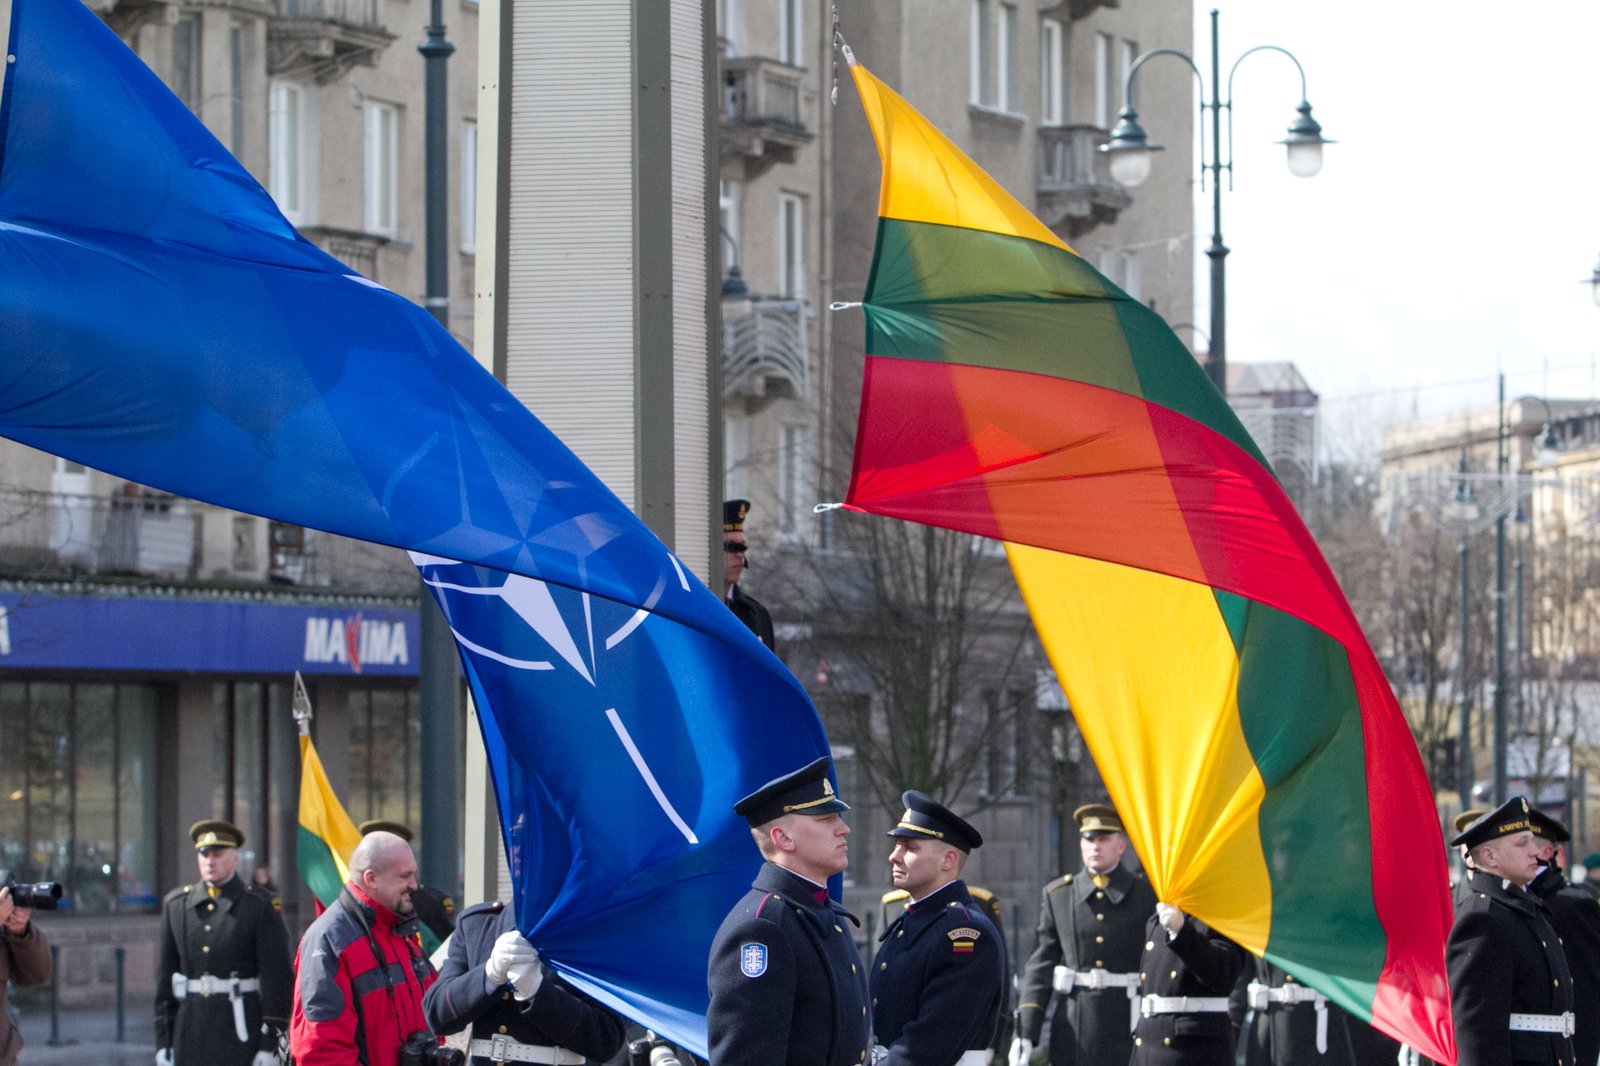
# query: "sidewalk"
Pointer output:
{"type": "Point", "coordinates": [88, 1036]}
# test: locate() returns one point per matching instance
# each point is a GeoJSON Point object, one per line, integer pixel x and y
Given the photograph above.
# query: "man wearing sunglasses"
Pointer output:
{"type": "Point", "coordinates": [735, 561]}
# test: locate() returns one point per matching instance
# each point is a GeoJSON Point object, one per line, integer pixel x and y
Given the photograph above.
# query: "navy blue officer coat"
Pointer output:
{"type": "Point", "coordinates": [1503, 958]}
{"type": "Point", "coordinates": [558, 1015]}
{"type": "Point", "coordinates": [938, 981]}
{"type": "Point", "coordinates": [787, 984]}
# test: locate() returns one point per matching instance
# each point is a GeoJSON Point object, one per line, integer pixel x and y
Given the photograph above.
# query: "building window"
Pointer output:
{"type": "Point", "coordinates": [382, 161]}
{"type": "Point", "coordinates": [1007, 75]}
{"type": "Point", "coordinates": [794, 487]}
{"type": "Point", "coordinates": [469, 187]}
{"type": "Point", "coordinates": [736, 455]}
{"type": "Point", "coordinates": [79, 789]}
{"type": "Point", "coordinates": [791, 247]}
{"type": "Point", "coordinates": [385, 755]}
{"type": "Point", "coordinates": [186, 61]}
{"type": "Point", "coordinates": [1105, 90]}
{"type": "Point", "coordinates": [256, 771]}
{"type": "Point", "coordinates": [729, 195]}
{"type": "Point", "coordinates": [1006, 758]}
{"type": "Point", "coordinates": [981, 55]}
{"type": "Point", "coordinates": [287, 138]}
{"type": "Point", "coordinates": [1051, 83]}
{"type": "Point", "coordinates": [1132, 280]}
{"type": "Point", "coordinates": [1130, 52]}
{"type": "Point", "coordinates": [791, 38]}
{"type": "Point", "coordinates": [236, 89]}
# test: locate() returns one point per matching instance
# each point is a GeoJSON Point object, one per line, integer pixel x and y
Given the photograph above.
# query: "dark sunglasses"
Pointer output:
{"type": "Point", "coordinates": [735, 547]}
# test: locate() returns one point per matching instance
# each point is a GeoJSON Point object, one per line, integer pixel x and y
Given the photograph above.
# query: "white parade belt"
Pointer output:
{"type": "Point", "coordinates": [233, 987]}
{"type": "Point", "coordinates": [505, 1049]}
{"type": "Point", "coordinates": [1153, 1005]}
{"type": "Point", "coordinates": [1065, 979]}
{"type": "Point", "coordinates": [1261, 997]}
{"type": "Point", "coordinates": [1565, 1024]}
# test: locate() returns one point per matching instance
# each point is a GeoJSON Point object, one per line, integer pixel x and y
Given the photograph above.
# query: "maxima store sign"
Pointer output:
{"type": "Point", "coordinates": [88, 633]}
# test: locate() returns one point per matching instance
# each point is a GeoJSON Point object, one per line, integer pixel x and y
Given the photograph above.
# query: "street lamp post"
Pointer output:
{"type": "Point", "coordinates": [1131, 157]}
{"type": "Point", "coordinates": [1593, 281]}
{"type": "Point", "coordinates": [1463, 512]}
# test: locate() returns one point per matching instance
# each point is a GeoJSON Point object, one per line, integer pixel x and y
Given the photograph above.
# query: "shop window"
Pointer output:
{"type": "Point", "coordinates": [385, 756]}
{"type": "Point", "coordinates": [80, 791]}
{"type": "Point", "coordinates": [256, 757]}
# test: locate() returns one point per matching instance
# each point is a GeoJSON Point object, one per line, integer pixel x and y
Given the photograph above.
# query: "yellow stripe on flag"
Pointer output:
{"type": "Point", "coordinates": [1148, 666]}
{"type": "Point", "coordinates": [928, 179]}
{"type": "Point", "coordinates": [321, 813]}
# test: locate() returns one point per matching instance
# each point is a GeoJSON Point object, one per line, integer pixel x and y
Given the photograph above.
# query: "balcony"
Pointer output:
{"type": "Point", "coordinates": [1076, 192]}
{"type": "Point", "coordinates": [1077, 9]}
{"type": "Point", "coordinates": [156, 537]}
{"type": "Point", "coordinates": [761, 121]}
{"type": "Point", "coordinates": [764, 350]}
{"type": "Point", "coordinates": [321, 39]}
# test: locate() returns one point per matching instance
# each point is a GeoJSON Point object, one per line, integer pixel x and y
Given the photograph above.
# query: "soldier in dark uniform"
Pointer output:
{"type": "Point", "coordinates": [1290, 1024]}
{"type": "Point", "coordinates": [1091, 931]}
{"type": "Point", "coordinates": [787, 984]}
{"type": "Point", "coordinates": [1575, 915]}
{"type": "Point", "coordinates": [225, 979]}
{"type": "Point", "coordinates": [1510, 991]}
{"type": "Point", "coordinates": [939, 978]}
{"type": "Point", "coordinates": [735, 561]}
{"type": "Point", "coordinates": [519, 1011]}
{"type": "Point", "coordinates": [1185, 975]}
{"type": "Point", "coordinates": [434, 908]}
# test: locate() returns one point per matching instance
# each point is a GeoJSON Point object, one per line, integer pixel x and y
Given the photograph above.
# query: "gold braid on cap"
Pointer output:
{"type": "Point", "coordinates": [918, 828]}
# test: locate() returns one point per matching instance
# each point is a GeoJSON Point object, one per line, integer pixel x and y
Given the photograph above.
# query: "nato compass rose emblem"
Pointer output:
{"type": "Point", "coordinates": [567, 654]}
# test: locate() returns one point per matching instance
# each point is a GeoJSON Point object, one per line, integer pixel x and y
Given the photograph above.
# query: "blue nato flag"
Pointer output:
{"type": "Point", "coordinates": [160, 320]}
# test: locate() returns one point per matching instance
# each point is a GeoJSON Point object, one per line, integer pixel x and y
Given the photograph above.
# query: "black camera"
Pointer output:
{"type": "Point", "coordinates": [40, 896]}
{"type": "Point", "coordinates": [422, 1048]}
{"type": "Point", "coordinates": [652, 1051]}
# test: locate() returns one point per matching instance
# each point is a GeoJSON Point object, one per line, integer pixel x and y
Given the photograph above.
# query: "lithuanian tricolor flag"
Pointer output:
{"type": "Point", "coordinates": [327, 835]}
{"type": "Point", "coordinates": [1241, 721]}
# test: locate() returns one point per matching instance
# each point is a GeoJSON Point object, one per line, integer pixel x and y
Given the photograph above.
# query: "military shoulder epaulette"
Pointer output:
{"type": "Point", "coordinates": [896, 895]}
{"type": "Point", "coordinates": [492, 906]}
{"type": "Point", "coordinates": [980, 893]}
{"type": "Point", "coordinates": [773, 914]}
{"type": "Point", "coordinates": [1061, 882]}
{"type": "Point", "coordinates": [178, 893]}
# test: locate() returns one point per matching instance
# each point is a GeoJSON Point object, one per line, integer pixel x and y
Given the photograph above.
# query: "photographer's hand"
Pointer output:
{"type": "Point", "coordinates": [14, 918]}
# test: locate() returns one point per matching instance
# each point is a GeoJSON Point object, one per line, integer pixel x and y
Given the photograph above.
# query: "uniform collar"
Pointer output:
{"type": "Point", "coordinates": [227, 892]}
{"type": "Point", "coordinates": [1118, 883]}
{"type": "Point", "coordinates": [954, 892]}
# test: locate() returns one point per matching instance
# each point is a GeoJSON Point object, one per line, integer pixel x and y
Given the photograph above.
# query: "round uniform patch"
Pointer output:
{"type": "Point", "coordinates": [752, 959]}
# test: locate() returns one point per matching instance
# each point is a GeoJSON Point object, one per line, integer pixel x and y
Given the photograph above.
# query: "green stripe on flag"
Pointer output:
{"type": "Point", "coordinates": [317, 867]}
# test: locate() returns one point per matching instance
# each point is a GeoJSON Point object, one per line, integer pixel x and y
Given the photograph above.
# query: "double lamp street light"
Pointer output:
{"type": "Point", "coordinates": [1131, 157]}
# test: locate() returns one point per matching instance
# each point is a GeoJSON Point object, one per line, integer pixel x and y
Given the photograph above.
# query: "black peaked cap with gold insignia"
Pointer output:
{"type": "Point", "coordinates": [928, 819]}
{"type": "Point", "coordinates": [1097, 818]}
{"type": "Point", "coordinates": [215, 833]}
{"type": "Point", "coordinates": [805, 791]}
{"type": "Point", "coordinates": [1513, 816]}
{"type": "Point", "coordinates": [380, 825]}
{"type": "Point", "coordinates": [733, 512]}
{"type": "Point", "coordinates": [1548, 827]}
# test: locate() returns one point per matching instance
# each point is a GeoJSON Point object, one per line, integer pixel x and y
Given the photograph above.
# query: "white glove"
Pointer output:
{"type": "Point", "coordinates": [164, 1057]}
{"type": "Point", "coordinates": [509, 950]}
{"type": "Point", "coordinates": [265, 1058]}
{"type": "Point", "coordinates": [1021, 1052]}
{"type": "Point", "coordinates": [1170, 917]}
{"type": "Point", "coordinates": [879, 1053]}
{"type": "Point", "coordinates": [526, 976]}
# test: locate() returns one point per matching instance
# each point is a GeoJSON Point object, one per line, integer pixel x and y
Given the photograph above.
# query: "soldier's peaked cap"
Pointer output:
{"type": "Point", "coordinates": [215, 833]}
{"type": "Point", "coordinates": [805, 791]}
{"type": "Point", "coordinates": [1467, 817]}
{"type": "Point", "coordinates": [733, 512]}
{"type": "Point", "coordinates": [1097, 818]}
{"type": "Point", "coordinates": [1511, 817]}
{"type": "Point", "coordinates": [1548, 827]}
{"type": "Point", "coordinates": [928, 819]}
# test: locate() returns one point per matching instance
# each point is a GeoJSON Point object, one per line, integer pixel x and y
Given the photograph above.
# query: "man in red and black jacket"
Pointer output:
{"type": "Point", "coordinates": [361, 973]}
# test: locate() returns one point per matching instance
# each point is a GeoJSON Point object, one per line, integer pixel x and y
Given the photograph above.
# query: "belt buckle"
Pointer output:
{"type": "Point", "coordinates": [498, 1047]}
{"type": "Point", "coordinates": [1097, 980]}
{"type": "Point", "coordinates": [1568, 1024]}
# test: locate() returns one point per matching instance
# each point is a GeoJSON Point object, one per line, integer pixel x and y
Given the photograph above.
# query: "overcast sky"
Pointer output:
{"type": "Point", "coordinates": [1446, 236]}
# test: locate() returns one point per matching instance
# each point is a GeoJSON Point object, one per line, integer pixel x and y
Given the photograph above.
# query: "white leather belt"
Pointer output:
{"type": "Point", "coordinates": [505, 1049]}
{"type": "Point", "coordinates": [233, 987]}
{"type": "Point", "coordinates": [1065, 979]}
{"type": "Point", "coordinates": [1261, 997]}
{"type": "Point", "coordinates": [979, 1057]}
{"type": "Point", "coordinates": [1565, 1024]}
{"type": "Point", "coordinates": [1153, 1005]}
